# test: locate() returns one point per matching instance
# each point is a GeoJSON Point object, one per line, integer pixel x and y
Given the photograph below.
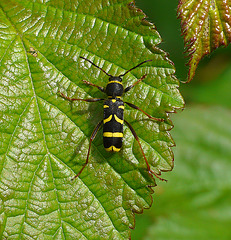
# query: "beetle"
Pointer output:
{"type": "Point", "coordinates": [113, 119]}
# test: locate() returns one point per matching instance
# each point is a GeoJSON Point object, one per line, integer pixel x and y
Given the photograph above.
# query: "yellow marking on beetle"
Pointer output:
{"type": "Point", "coordinates": [113, 100]}
{"type": "Point", "coordinates": [121, 106]}
{"type": "Point", "coordinates": [116, 97]}
{"type": "Point", "coordinates": [118, 119]}
{"type": "Point", "coordinates": [105, 106]}
{"type": "Point", "coordinates": [111, 134]}
{"type": "Point", "coordinates": [115, 82]}
{"type": "Point", "coordinates": [107, 119]}
{"type": "Point", "coordinates": [112, 149]}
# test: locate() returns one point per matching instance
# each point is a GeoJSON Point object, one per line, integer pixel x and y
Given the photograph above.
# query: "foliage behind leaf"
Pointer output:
{"type": "Point", "coordinates": [195, 204]}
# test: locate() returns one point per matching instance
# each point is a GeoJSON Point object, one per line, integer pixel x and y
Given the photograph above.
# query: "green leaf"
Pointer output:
{"type": "Point", "coordinates": [195, 204]}
{"type": "Point", "coordinates": [44, 138]}
{"type": "Point", "coordinates": [206, 25]}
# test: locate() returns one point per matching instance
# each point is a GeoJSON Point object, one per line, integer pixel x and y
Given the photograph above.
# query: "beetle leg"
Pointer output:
{"type": "Point", "coordinates": [89, 148]}
{"type": "Point", "coordinates": [137, 139]}
{"type": "Point", "coordinates": [92, 84]}
{"type": "Point", "coordinates": [135, 107]}
{"type": "Point", "coordinates": [129, 87]}
{"type": "Point", "coordinates": [77, 99]}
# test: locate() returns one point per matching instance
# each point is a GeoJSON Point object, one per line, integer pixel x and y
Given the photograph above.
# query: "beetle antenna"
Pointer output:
{"type": "Point", "coordinates": [134, 67]}
{"type": "Point", "coordinates": [96, 66]}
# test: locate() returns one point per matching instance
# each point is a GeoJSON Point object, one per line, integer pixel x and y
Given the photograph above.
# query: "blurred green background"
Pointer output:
{"type": "Point", "coordinates": [196, 201]}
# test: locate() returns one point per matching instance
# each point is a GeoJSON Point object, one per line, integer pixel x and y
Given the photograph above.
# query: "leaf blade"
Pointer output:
{"type": "Point", "coordinates": [51, 142]}
{"type": "Point", "coordinates": [206, 25]}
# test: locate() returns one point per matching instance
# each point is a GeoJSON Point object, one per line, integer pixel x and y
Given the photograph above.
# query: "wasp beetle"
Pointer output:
{"type": "Point", "coordinates": [114, 114]}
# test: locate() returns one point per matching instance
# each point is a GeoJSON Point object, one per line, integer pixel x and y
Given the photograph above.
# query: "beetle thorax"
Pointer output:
{"type": "Point", "coordinates": [115, 87]}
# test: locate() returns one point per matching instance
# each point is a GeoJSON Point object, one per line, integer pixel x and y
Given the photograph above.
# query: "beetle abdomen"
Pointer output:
{"type": "Point", "coordinates": [113, 124]}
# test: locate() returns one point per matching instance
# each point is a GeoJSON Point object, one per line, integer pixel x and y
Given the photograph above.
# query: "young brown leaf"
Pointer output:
{"type": "Point", "coordinates": [206, 25]}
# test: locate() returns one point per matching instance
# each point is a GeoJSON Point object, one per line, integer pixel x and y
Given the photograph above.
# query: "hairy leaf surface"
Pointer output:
{"type": "Point", "coordinates": [45, 138]}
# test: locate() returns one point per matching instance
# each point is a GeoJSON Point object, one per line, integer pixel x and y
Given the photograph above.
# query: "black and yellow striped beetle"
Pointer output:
{"type": "Point", "coordinates": [114, 114]}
